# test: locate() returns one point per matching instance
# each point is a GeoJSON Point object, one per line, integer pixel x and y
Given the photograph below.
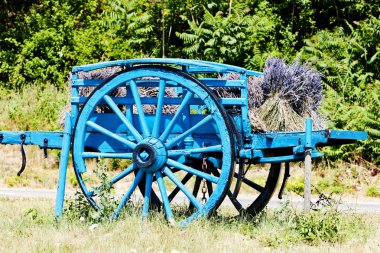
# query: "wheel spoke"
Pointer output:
{"type": "Point", "coordinates": [186, 152]}
{"type": "Point", "coordinates": [122, 117]}
{"type": "Point", "coordinates": [123, 174]}
{"type": "Point", "coordinates": [164, 196]}
{"type": "Point", "coordinates": [183, 188]}
{"type": "Point", "coordinates": [139, 107]}
{"type": "Point", "coordinates": [148, 190]}
{"type": "Point", "coordinates": [110, 134]}
{"type": "Point", "coordinates": [250, 183]}
{"type": "Point", "coordinates": [106, 155]}
{"type": "Point", "coordinates": [236, 203]}
{"type": "Point", "coordinates": [129, 107]}
{"type": "Point", "coordinates": [176, 190]}
{"type": "Point", "coordinates": [183, 105]}
{"type": "Point", "coordinates": [197, 185]}
{"type": "Point", "coordinates": [128, 194]}
{"type": "Point", "coordinates": [182, 136]}
{"type": "Point", "coordinates": [160, 103]}
{"type": "Point", "coordinates": [244, 180]}
{"type": "Point", "coordinates": [209, 188]}
{"type": "Point", "coordinates": [117, 178]}
{"type": "Point", "coordinates": [198, 173]}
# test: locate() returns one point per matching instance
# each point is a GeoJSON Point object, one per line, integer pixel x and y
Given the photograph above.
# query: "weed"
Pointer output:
{"type": "Point", "coordinates": [15, 180]}
{"type": "Point", "coordinates": [287, 226]}
{"type": "Point", "coordinates": [32, 212]}
{"type": "Point", "coordinates": [35, 217]}
{"type": "Point", "coordinates": [373, 191]}
{"type": "Point", "coordinates": [116, 164]}
{"type": "Point", "coordinates": [296, 185]}
{"type": "Point", "coordinates": [72, 179]}
{"type": "Point", "coordinates": [78, 207]}
{"type": "Point", "coordinates": [322, 225]}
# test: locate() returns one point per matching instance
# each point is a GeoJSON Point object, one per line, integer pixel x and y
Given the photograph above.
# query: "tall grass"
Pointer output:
{"type": "Point", "coordinates": [27, 226]}
{"type": "Point", "coordinates": [32, 108]}
{"type": "Point", "coordinates": [283, 226]}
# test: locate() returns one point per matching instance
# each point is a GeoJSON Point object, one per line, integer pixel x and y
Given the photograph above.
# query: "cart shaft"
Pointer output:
{"type": "Point", "coordinates": [50, 140]}
{"type": "Point", "coordinates": [291, 146]}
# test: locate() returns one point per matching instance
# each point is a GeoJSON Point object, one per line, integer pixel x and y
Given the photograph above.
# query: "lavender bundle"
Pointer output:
{"type": "Point", "coordinates": [300, 85]}
{"type": "Point", "coordinates": [291, 93]}
{"type": "Point", "coordinates": [99, 74]}
{"type": "Point", "coordinates": [255, 98]}
{"type": "Point", "coordinates": [282, 97]}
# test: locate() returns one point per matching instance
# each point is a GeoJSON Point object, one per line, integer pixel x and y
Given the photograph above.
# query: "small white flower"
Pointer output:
{"type": "Point", "coordinates": [93, 226]}
{"type": "Point", "coordinates": [81, 219]}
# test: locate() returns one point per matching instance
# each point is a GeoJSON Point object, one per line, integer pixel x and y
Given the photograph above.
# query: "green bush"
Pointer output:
{"type": "Point", "coordinates": [296, 185]}
{"type": "Point", "coordinates": [373, 191]}
{"type": "Point", "coordinates": [331, 185]}
{"type": "Point", "coordinates": [349, 58]}
{"type": "Point", "coordinates": [288, 226]}
{"type": "Point", "coordinates": [32, 108]}
{"type": "Point", "coordinates": [40, 41]}
{"type": "Point", "coordinates": [78, 208]}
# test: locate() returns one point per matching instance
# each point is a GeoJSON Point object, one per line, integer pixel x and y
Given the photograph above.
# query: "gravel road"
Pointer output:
{"type": "Point", "coordinates": [356, 205]}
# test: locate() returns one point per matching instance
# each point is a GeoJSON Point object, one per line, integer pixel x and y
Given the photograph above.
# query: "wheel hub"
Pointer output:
{"type": "Point", "coordinates": [150, 155]}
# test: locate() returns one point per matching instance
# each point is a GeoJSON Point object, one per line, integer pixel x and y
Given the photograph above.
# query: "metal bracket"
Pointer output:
{"type": "Point", "coordinates": [23, 165]}
{"type": "Point", "coordinates": [46, 141]}
{"type": "Point", "coordinates": [285, 180]}
{"type": "Point", "coordinates": [299, 150]}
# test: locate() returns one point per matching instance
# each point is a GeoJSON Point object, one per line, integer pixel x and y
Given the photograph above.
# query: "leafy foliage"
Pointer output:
{"type": "Point", "coordinates": [79, 209]}
{"type": "Point", "coordinates": [33, 108]}
{"type": "Point", "coordinates": [228, 37]}
{"type": "Point", "coordinates": [287, 226]}
{"type": "Point", "coordinates": [41, 40]}
{"type": "Point", "coordinates": [353, 85]}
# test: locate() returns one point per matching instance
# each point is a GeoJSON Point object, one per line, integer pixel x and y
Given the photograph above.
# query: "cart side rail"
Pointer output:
{"type": "Point", "coordinates": [240, 87]}
{"type": "Point", "coordinates": [191, 66]}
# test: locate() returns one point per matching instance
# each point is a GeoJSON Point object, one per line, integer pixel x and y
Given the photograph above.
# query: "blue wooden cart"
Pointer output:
{"type": "Point", "coordinates": [180, 138]}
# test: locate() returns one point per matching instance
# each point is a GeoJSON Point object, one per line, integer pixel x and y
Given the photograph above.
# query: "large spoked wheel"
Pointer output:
{"type": "Point", "coordinates": [160, 135]}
